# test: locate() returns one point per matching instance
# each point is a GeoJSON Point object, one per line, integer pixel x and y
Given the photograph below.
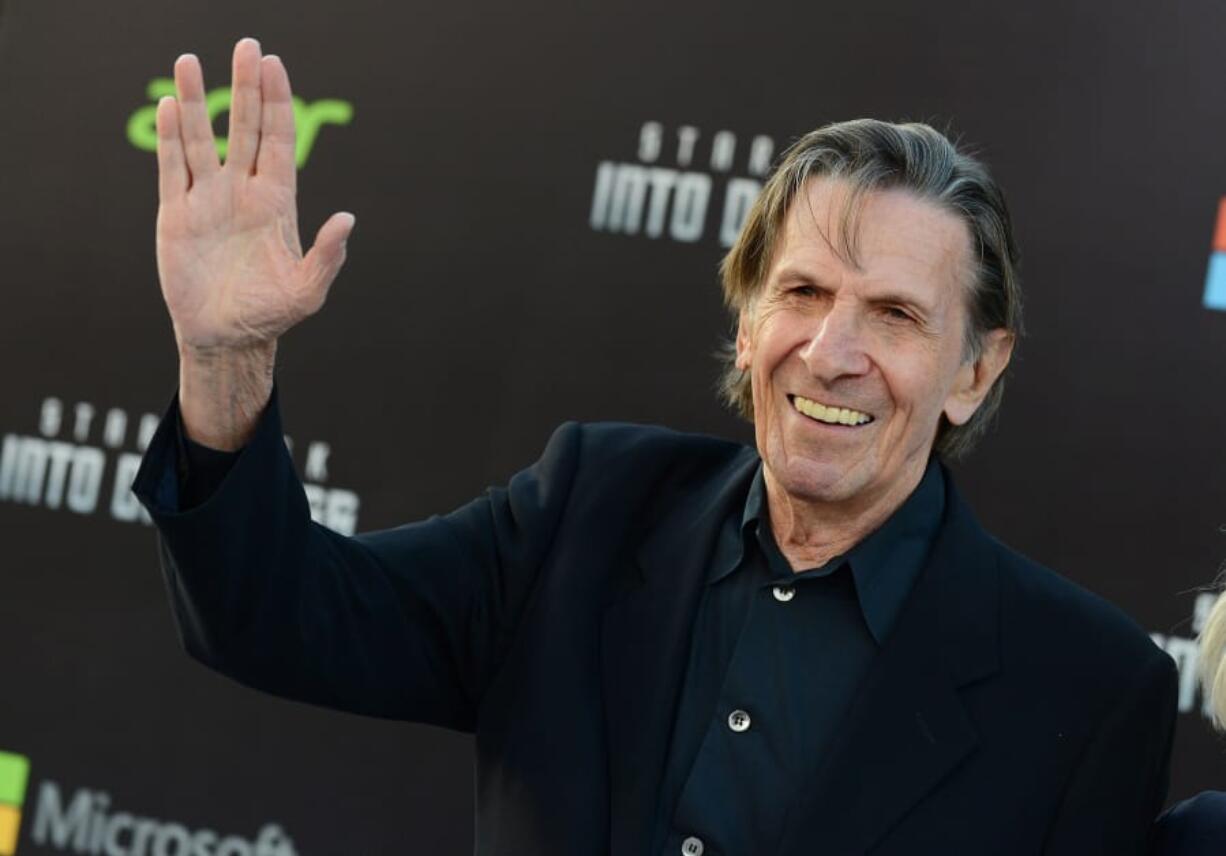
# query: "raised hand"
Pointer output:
{"type": "Point", "coordinates": [229, 258]}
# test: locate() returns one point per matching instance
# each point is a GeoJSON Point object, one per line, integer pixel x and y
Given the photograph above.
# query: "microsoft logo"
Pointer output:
{"type": "Point", "coordinates": [84, 822]}
{"type": "Point", "coordinates": [14, 771]}
{"type": "Point", "coordinates": [1215, 282]}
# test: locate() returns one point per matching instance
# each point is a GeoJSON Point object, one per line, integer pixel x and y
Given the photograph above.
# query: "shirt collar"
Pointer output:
{"type": "Point", "coordinates": [884, 565]}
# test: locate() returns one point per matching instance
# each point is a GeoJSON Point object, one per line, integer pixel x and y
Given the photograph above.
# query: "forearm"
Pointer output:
{"type": "Point", "coordinates": [222, 393]}
{"type": "Point", "coordinates": [267, 597]}
{"type": "Point", "coordinates": [409, 622]}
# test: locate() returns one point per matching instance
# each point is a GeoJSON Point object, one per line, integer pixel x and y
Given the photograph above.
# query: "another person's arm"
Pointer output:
{"type": "Point", "coordinates": [1197, 826]}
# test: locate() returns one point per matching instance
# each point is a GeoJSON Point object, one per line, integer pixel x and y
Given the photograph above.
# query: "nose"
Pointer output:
{"type": "Point", "coordinates": [837, 349]}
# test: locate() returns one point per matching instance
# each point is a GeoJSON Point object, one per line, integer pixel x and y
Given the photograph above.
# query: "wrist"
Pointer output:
{"type": "Point", "coordinates": [208, 356]}
{"type": "Point", "coordinates": [223, 392]}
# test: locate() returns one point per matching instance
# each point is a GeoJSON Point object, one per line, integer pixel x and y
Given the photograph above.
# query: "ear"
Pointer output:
{"type": "Point", "coordinates": [744, 340]}
{"type": "Point", "coordinates": [975, 377]}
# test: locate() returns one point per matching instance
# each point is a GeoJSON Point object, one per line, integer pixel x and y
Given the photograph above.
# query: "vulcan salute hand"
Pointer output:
{"type": "Point", "coordinates": [231, 265]}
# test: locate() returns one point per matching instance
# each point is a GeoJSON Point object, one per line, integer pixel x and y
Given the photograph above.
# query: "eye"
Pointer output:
{"type": "Point", "coordinates": [803, 291]}
{"type": "Point", "coordinates": [897, 313]}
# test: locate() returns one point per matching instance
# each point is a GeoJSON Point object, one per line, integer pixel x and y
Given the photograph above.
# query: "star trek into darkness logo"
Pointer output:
{"type": "Point", "coordinates": [83, 458]}
{"type": "Point", "coordinates": [1215, 280]}
{"type": "Point", "coordinates": [683, 185]}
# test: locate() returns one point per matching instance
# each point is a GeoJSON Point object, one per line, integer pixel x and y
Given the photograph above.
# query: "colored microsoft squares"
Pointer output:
{"type": "Point", "coordinates": [14, 772]}
{"type": "Point", "coordinates": [10, 822]}
{"type": "Point", "coordinates": [1215, 282]}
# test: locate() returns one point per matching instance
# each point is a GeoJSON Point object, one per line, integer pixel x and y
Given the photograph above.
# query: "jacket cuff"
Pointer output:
{"type": "Point", "coordinates": [177, 475]}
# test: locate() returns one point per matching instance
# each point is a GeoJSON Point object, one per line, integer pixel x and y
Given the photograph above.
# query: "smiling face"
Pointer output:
{"type": "Point", "coordinates": [853, 365]}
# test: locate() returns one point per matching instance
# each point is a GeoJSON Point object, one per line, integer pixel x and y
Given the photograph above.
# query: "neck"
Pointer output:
{"type": "Point", "coordinates": [810, 533]}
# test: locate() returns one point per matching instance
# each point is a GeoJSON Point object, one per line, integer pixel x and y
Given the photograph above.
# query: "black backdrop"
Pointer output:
{"type": "Point", "coordinates": [500, 282]}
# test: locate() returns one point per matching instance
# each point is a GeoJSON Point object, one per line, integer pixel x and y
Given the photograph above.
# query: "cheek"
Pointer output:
{"type": "Point", "coordinates": [777, 337]}
{"type": "Point", "coordinates": [915, 386]}
{"type": "Point", "coordinates": [771, 350]}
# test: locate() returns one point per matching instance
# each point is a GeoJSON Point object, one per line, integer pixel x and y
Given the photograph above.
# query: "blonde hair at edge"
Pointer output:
{"type": "Point", "coordinates": [1213, 663]}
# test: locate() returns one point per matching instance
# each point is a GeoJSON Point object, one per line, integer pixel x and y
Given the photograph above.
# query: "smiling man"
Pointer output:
{"type": "Point", "coordinates": [856, 345]}
{"type": "Point", "coordinates": [668, 643]}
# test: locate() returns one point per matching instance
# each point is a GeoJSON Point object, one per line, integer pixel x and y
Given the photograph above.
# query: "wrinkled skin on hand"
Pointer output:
{"type": "Point", "coordinates": [231, 265]}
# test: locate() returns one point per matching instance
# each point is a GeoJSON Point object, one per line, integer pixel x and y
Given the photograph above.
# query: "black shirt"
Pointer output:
{"type": "Point", "coordinates": [776, 658]}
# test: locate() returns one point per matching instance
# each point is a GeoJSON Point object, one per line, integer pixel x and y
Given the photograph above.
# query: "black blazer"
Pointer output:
{"type": "Point", "coordinates": [1009, 712]}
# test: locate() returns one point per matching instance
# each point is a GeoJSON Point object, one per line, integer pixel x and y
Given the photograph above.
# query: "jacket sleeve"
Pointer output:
{"type": "Point", "coordinates": [1120, 782]}
{"type": "Point", "coordinates": [201, 469]}
{"type": "Point", "coordinates": [408, 623]}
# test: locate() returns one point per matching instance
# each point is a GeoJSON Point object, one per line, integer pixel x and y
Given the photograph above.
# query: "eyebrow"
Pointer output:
{"type": "Point", "coordinates": [897, 299]}
{"type": "Point", "coordinates": [792, 276]}
{"type": "Point", "coordinates": [790, 273]}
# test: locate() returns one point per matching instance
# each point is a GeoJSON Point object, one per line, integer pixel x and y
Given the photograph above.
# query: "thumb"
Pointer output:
{"type": "Point", "coordinates": [323, 262]}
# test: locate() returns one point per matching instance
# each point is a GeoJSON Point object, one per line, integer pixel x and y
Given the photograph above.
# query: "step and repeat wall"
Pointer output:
{"type": "Point", "coordinates": [543, 191]}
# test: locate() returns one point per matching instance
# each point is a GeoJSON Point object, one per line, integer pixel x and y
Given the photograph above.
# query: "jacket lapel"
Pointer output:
{"type": "Point", "coordinates": [907, 729]}
{"type": "Point", "coordinates": [646, 642]}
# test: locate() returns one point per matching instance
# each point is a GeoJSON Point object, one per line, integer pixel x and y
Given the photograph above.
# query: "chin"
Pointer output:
{"type": "Point", "coordinates": [816, 480]}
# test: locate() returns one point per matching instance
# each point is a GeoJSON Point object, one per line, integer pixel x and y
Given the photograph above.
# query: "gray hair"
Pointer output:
{"type": "Point", "coordinates": [873, 155]}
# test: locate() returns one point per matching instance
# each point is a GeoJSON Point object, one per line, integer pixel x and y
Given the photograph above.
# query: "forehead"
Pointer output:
{"type": "Point", "coordinates": [892, 237]}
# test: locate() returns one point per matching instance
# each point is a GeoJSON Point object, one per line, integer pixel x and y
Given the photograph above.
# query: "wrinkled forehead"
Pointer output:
{"type": "Point", "coordinates": [836, 229]}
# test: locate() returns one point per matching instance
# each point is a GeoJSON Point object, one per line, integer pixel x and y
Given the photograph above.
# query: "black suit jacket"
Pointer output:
{"type": "Point", "coordinates": [1009, 712]}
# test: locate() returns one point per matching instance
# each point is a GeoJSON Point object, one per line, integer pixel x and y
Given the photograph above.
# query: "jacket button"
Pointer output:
{"type": "Point", "coordinates": [738, 721]}
{"type": "Point", "coordinates": [784, 593]}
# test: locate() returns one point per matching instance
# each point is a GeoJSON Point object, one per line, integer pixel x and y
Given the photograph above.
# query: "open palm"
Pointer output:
{"type": "Point", "coordinates": [231, 265]}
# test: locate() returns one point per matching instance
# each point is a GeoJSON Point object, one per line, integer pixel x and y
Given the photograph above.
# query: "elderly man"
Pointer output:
{"type": "Point", "coordinates": [667, 643]}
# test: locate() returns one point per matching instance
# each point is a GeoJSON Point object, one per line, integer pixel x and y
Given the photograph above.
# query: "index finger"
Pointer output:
{"type": "Point", "coordinates": [173, 177]}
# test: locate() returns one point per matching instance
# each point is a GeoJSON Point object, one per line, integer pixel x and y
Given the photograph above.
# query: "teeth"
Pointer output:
{"type": "Point", "coordinates": [830, 415]}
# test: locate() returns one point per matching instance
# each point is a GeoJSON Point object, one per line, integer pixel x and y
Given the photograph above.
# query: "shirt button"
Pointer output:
{"type": "Point", "coordinates": [784, 593]}
{"type": "Point", "coordinates": [738, 721]}
{"type": "Point", "coordinates": [692, 846]}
